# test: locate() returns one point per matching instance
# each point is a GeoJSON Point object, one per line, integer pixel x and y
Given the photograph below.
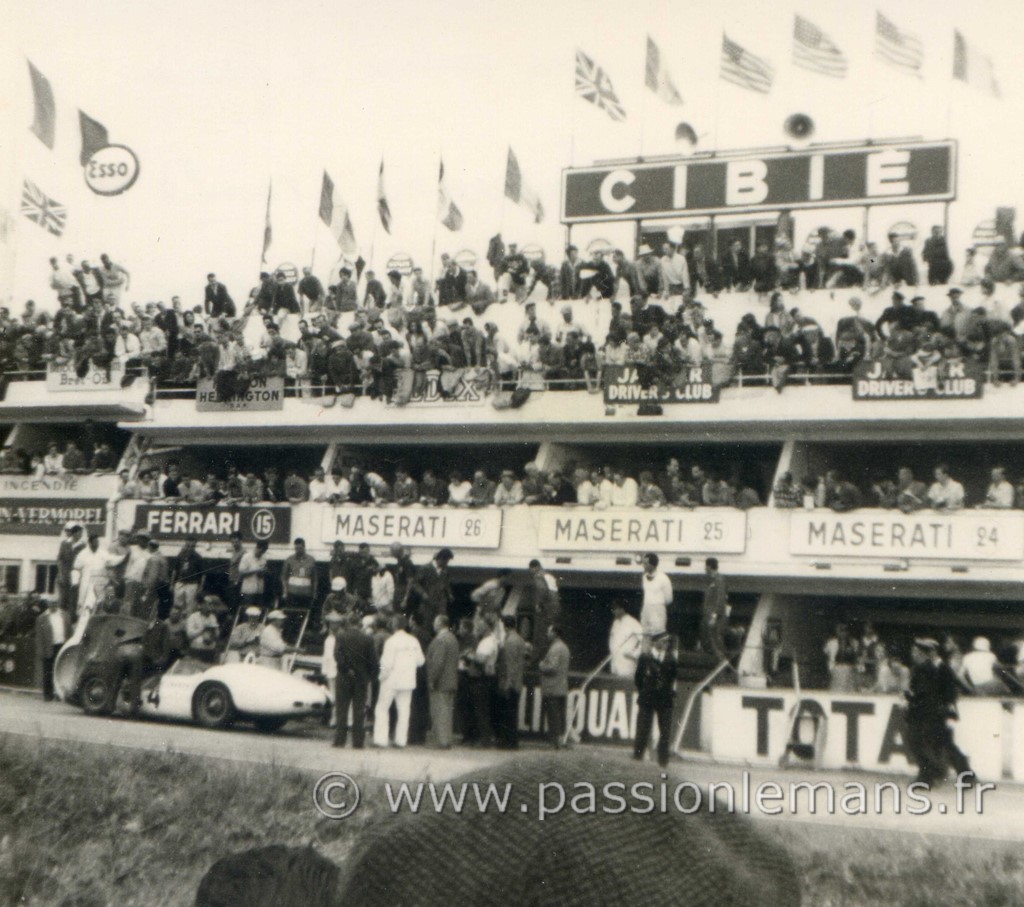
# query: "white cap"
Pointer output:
{"type": "Point", "coordinates": [338, 584]}
{"type": "Point", "coordinates": [276, 614]}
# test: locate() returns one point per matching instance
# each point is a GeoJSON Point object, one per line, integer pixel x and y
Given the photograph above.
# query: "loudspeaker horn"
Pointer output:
{"type": "Point", "coordinates": [799, 126]}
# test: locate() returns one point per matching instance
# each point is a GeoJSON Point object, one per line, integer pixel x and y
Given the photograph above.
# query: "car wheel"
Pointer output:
{"type": "Point", "coordinates": [98, 694]}
{"type": "Point", "coordinates": [212, 705]}
{"type": "Point", "coordinates": [270, 724]}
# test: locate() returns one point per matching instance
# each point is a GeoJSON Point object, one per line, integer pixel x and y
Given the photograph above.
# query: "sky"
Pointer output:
{"type": "Point", "coordinates": [221, 100]}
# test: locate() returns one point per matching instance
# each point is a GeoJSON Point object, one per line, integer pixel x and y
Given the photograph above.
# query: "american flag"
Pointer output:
{"type": "Point", "coordinates": [593, 84]}
{"type": "Point", "coordinates": [814, 50]}
{"type": "Point", "coordinates": [898, 48]}
{"type": "Point", "coordinates": [744, 68]}
{"type": "Point", "coordinates": [39, 208]}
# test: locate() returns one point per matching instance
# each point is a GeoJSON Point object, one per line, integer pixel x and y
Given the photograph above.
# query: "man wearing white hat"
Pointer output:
{"type": "Point", "coordinates": [245, 637]}
{"type": "Point", "coordinates": [272, 647]}
{"type": "Point", "coordinates": [978, 669]}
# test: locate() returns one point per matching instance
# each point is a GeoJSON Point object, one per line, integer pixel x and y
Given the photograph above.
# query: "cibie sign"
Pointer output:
{"type": "Point", "coordinates": [901, 173]}
{"type": "Point", "coordinates": [111, 170]}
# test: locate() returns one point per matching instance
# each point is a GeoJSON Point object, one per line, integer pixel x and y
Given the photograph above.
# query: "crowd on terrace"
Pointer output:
{"type": "Point", "coordinates": [600, 487]}
{"type": "Point", "coordinates": [364, 334]}
{"type": "Point", "coordinates": [901, 491]}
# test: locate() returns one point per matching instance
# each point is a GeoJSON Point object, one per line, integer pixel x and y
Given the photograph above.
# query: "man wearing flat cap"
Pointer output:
{"type": "Point", "coordinates": [656, 673]}
{"type": "Point", "coordinates": [245, 637]}
{"type": "Point", "coordinates": [931, 705]}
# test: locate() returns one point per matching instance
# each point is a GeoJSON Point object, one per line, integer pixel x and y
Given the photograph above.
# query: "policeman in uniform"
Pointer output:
{"type": "Point", "coordinates": [931, 705]}
{"type": "Point", "coordinates": [656, 673]}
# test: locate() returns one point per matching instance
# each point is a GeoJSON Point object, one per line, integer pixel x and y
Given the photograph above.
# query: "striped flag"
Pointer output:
{"type": "Point", "coordinates": [268, 233]}
{"type": "Point", "coordinates": [897, 47]}
{"type": "Point", "coordinates": [336, 217]}
{"type": "Point", "coordinates": [519, 192]}
{"type": "Point", "coordinates": [447, 211]}
{"type": "Point", "coordinates": [973, 67]}
{"type": "Point", "coordinates": [44, 121]}
{"type": "Point", "coordinates": [39, 208]}
{"type": "Point", "coordinates": [814, 50]}
{"type": "Point", "coordinates": [656, 76]}
{"type": "Point", "coordinates": [744, 68]}
{"type": "Point", "coordinates": [383, 208]}
{"type": "Point", "coordinates": [593, 84]}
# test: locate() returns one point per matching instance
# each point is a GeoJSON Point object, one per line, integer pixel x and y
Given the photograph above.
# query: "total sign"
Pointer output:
{"type": "Point", "coordinates": [835, 177]}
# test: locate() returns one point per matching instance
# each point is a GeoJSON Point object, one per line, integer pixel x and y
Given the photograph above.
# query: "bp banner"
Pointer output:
{"type": "Point", "coordinates": [957, 380]}
{"type": "Point", "coordinates": [625, 384]}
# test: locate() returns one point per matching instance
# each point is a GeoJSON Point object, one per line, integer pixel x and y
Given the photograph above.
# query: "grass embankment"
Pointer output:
{"type": "Point", "coordinates": [88, 826]}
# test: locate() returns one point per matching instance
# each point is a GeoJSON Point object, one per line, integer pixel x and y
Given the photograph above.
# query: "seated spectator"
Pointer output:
{"type": "Point", "coordinates": [587, 493]}
{"type": "Point", "coordinates": [53, 462]}
{"type": "Point", "coordinates": [296, 490]}
{"type": "Point", "coordinates": [716, 493]}
{"type": "Point", "coordinates": [533, 485]}
{"type": "Point", "coordinates": [744, 497]}
{"type": "Point", "coordinates": [945, 492]}
{"type": "Point", "coordinates": [380, 490]}
{"type": "Point", "coordinates": [405, 490]}
{"type": "Point", "coordinates": [649, 494]}
{"type": "Point", "coordinates": [841, 495]}
{"type": "Point", "coordinates": [338, 487]}
{"type": "Point", "coordinates": [558, 490]}
{"type": "Point", "coordinates": [432, 490]}
{"type": "Point", "coordinates": [359, 490]}
{"type": "Point", "coordinates": [482, 492]}
{"type": "Point", "coordinates": [786, 493]}
{"type": "Point", "coordinates": [103, 458]}
{"type": "Point", "coordinates": [1000, 492]}
{"type": "Point", "coordinates": [893, 675]}
{"type": "Point", "coordinates": [509, 491]}
{"type": "Point", "coordinates": [459, 490]}
{"type": "Point", "coordinates": [911, 494]}
{"type": "Point", "coordinates": [74, 459]}
{"type": "Point", "coordinates": [625, 491]}
{"type": "Point", "coordinates": [886, 493]}
{"type": "Point", "coordinates": [318, 489]}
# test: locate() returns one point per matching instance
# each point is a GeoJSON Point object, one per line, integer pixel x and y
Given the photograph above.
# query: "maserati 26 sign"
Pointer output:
{"type": "Point", "coordinates": [814, 178]}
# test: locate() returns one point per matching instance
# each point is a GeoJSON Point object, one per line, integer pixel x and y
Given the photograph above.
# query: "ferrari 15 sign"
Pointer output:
{"type": "Point", "coordinates": [901, 173]}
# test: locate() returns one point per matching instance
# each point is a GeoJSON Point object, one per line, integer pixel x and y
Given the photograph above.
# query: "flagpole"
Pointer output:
{"type": "Point", "coordinates": [437, 218]}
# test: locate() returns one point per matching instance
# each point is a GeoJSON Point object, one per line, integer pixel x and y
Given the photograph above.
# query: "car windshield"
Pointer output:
{"type": "Point", "coordinates": [185, 666]}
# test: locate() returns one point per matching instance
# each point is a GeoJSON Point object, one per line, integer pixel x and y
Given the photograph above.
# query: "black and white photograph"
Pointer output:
{"type": "Point", "coordinates": [538, 454]}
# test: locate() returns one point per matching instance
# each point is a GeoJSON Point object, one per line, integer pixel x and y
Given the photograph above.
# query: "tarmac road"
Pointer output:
{"type": "Point", "coordinates": [305, 745]}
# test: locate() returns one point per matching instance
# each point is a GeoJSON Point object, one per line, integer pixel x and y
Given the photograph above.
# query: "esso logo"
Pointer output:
{"type": "Point", "coordinates": [111, 170]}
{"type": "Point", "coordinates": [263, 524]}
{"type": "Point", "coordinates": [289, 272]}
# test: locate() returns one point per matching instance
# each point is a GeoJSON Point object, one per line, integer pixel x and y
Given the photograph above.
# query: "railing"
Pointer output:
{"type": "Point", "coordinates": [677, 744]}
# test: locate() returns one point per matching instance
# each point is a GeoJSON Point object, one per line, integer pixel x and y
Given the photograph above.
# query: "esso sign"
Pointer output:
{"type": "Point", "coordinates": [111, 170]}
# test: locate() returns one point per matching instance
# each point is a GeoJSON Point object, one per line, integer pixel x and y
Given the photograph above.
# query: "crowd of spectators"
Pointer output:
{"type": "Point", "coordinates": [600, 487]}
{"type": "Point", "coordinates": [58, 459]}
{"type": "Point", "coordinates": [903, 492]}
{"type": "Point", "coordinates": [860, 660]}
{"type": "Point", "coordinates": [380, 337]}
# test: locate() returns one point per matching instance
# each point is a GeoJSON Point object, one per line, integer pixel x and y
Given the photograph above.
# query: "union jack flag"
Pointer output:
{"type": "Point", "coordinates": [39, 208]}
{"type": "Point", "coordinates": [593, 84]}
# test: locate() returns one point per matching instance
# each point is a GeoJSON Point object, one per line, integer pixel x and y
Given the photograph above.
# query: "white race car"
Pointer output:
{"type": "Point", "coordinates": [96, 671]}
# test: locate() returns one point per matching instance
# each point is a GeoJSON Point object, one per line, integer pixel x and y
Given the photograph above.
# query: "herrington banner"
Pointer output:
{"type": "Point", "coordinates": [706, 530]}
{"type": "Point", "coordinates": [257, 523]}
{"type": "Point", "coordinates": [693, 385]}
{"type": "Point", "coordinates": [415, 526]}
{"type": "Point", "coordinates": [750, 181]}
{"type": "Point", "coordinates": [962, 380]}
{"type": "Point", "coordinates": [969, 535]}
{"type": "Point", "coordinates": [263, 395]}
{"type": "Point", "coordinates": [41, 516]}
{"type": "Point", "coordinates": [65, 378]}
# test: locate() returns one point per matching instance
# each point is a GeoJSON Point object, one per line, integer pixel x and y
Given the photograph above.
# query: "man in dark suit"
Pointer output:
{"type": "Point", "coordinates": [936, 256]}
{"type": "Point", "coordinates": [357, 662]}
{"type": "Point", "coordinates": [52, 630]}
{"type": "Point", "coordinates": [451, 285]}
{"type": "Point", "coordinates": [656, 673]}
{"type": "Point", "coordinates": [72, 543]}
{"type": "Point", "coordinates": [217, 302]}
{"type": "Point", "coordinates": [442, 680]}
{"type": "Point", "coordinates": [569, 274]}
{"type": "Point", "coordinates": [736, 267]}
{"type": "Point", "coordinates": [284, 295]}
{"type": "Point", "coordinates": [433, 589]}
{"type": "Point", "coordinates": [511, 667]}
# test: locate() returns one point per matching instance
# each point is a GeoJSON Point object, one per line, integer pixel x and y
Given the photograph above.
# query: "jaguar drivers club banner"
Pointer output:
{"type": "Point", "coordinates": [256, 523]}
{"type": "Point", "coordinates": [48, 516]}
{"type": "Point", "coordinates": [961, 380]}
{"type": "Point", "coordinates": [432, 527]}
{"type": "Point", "coordinates": [624, 384]}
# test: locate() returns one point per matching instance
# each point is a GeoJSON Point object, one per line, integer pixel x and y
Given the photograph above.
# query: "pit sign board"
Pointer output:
{"type": "Point", "coordinates": [256, 523]}
{"type": "Point", "coordinates": [853, 176]}
{"type": "Point", "coordinates": [432, 527]}
{"type": "Point", "coordinates": [703, 531]}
